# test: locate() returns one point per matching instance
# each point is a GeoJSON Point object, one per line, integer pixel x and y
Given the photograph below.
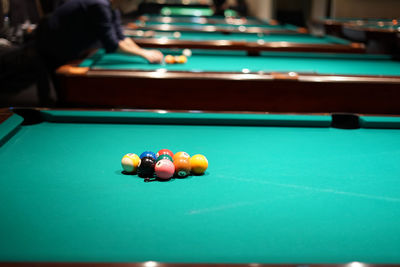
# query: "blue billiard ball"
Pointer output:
{"type": "Point", "coordinates": [148, 154]}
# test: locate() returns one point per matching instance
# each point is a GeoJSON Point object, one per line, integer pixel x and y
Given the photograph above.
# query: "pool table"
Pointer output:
{"type": "Point", "coordinates": [233, 80]}
{"type": "Point", "coordinates": [251, 42]}
{"type": "Point", "coordinates": [211, 27]}
{"type": "Point", "coordinates": [379, 37]}
{"type": "Point", "coordinates": [334, 26]}
{"type": "Point", "coordinates": [206, 20]}
{"type": "Point", "coordinates": [280, 189]}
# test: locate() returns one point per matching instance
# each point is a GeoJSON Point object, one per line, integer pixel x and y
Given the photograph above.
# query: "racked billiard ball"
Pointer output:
{"type": "Point", "coordinates": [164, 169]}
{"type": "Point", "coordinates": [181, 154]}
{"type": "Point", "coordinates": [130, 162]}
{"type": "Point", "coordinates": [182, 167]}
{"type": "Point", "coordinates": [198, 164]}
{"type": "Point", "coordinates": [164, 156]}
{"type": "Point", "coordinates": [165, 151]}
{"type": "Point", "coordinates": [148, 154]}
{"type": "Point", "coordinates": [146, 167]}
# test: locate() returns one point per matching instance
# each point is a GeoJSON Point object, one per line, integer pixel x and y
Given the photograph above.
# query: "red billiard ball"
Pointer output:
{"type": "Point", "coordinates": [165, 151]}
{"type": "Point", "coordinates": [164, 169]}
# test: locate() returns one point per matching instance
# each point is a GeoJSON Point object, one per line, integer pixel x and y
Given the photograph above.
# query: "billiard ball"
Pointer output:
{"type": "Point", "coordinates": [198, 164]}
{"type": "Point", "coordinates": [146, 167]}
{"type": "Point", "coordinates": [164, 156]}
{"type": "Point", "coordinates": [182, 167]}
{"type": "Point", "coordinates": [148, 154]}
{"type": "Point", "coordinates": [169, 59]}
{"type": "Point", "coordinates": [130, 162]}
{"type": "Point", "coordinates": [187, 52]}
{"type": "Point", "coordinates": [177, 35]}
{"type": "Point", "coordinates": [181, 154]}
{"type": "Point", "coordinates": [164, 169]}
{"type": "Point", "coordinates": [181, 59]}
{"type": "Point", "coordinates": [165, 151]}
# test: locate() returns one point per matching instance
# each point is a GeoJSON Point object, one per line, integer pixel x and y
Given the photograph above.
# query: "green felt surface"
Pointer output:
{"type": "Point", "coordinates": [248, 37]}
{"type": "Point", "coordinates": [236, 61]}
{"type": "Point", "coordinates": [270, 195]}
{"type": "Point", "coordinates": [193, 11]}
{"type": "Point", "coordinates": [200, 20]}
{"type": "Point", "coordinates": [225, 25]}
{"type": "Point", "coordinates": [187, 11]}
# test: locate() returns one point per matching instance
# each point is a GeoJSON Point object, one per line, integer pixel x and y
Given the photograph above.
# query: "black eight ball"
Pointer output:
{"type": "Point", "coordinates": [146, 167]}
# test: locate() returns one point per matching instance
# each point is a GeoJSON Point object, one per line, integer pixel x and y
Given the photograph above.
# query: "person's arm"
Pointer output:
{"type": "Point", "coordinates": [112, 40]}
{"type": "Point", "coordinates": [130, 47]}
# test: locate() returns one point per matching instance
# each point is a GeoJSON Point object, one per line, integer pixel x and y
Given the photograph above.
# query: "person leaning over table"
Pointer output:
{"type": "Point", "coordinates": [79, 25]}
{"type": "Point", "coordinates": [73, 29]}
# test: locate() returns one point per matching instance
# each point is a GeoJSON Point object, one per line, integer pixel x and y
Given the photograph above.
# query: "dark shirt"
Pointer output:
{"type": "Point", "coordinates": [77, 26]}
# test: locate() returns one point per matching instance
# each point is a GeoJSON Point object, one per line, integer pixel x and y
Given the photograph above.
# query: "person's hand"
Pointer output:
{"type": "Point", "coordinates": [4, 43]}
{"type": "Point", "coordinates": [153, 56]}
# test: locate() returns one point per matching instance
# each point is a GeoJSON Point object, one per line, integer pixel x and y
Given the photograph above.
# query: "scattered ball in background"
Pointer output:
{"type": "Point", "coordinates": [181, 59]}
{"type": "Point", "coordinates": [199, 164]}
{"type": "Point", "coordinates": [187, 52]}
{"type": "Point", "coordinates": [164, 169]}
{"type": "Point", "coordinates": [130, 162]}
{"type": "Point", "coordinates": [177, 35]}
{"type": "Point", "coordinates": [169, 59]}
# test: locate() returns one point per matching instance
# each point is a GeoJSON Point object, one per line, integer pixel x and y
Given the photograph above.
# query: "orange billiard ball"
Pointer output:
{"type": "Point", "coordinates": [169, 59]}
{"type": "Point", "coordinates": [181, 154]}
{"type": "Point", "coordinates": [182, 167]}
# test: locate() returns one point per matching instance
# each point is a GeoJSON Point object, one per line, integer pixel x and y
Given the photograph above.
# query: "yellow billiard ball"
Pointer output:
{"type": "Point", "coordinates": [169, 59]}
{"type": "Point", "coordinates": [198, 164]}
{"type": "Point", "coordinates": [130, 162]}
{"type": "Point", "coordinates": [181, 59]}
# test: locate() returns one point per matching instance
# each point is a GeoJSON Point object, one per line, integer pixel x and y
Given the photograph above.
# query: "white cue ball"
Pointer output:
{"type": "Point", "coordinates": [177, 35]}
{"type": "Point", "coordinates": [187, 52]}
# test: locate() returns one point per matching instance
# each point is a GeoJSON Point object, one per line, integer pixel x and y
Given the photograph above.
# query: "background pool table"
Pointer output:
{"type": "Point", "coordinates": [251, 42]}
{"type": "Point", "coordinates": [265, 29]}
{"type": "Point", "coordinates": [380, 35]}
{"type": "Point", "coordinates": [207, 20]}
{"type": "Point", "coordinates": [279, 189]}
{"type": "Point", "coordinates": [232, 80]}
{"type": "Point", "coordinates": [334, 26]}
